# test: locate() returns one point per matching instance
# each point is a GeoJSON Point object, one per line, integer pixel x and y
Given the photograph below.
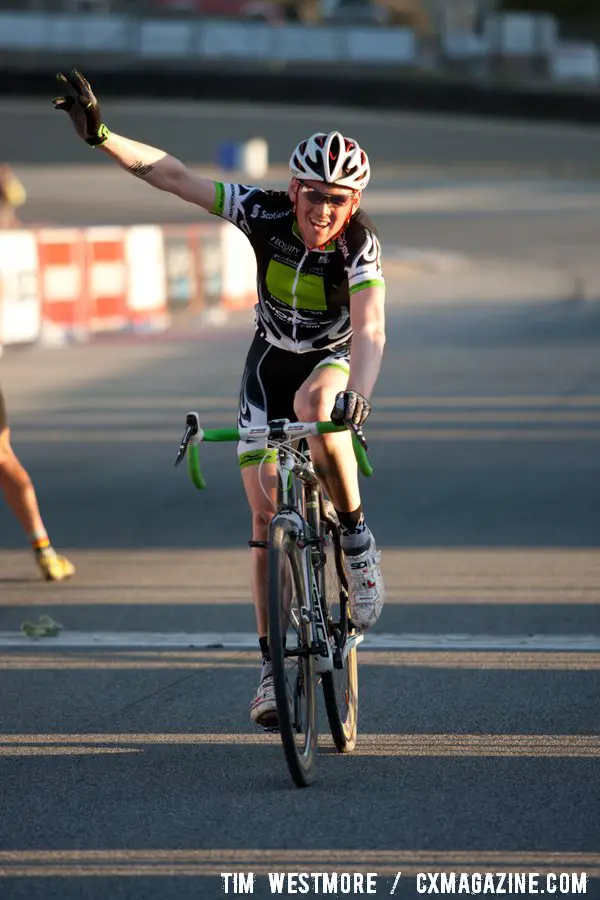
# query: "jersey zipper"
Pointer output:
{"type": "Point", "coordinates": [295, 298]}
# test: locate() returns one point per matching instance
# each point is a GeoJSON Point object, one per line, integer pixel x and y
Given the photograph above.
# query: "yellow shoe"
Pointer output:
{"type": "Point", "coordinates": [53, 566]}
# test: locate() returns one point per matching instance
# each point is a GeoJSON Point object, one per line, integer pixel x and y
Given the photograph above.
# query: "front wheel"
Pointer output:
{"type": "Point", "coordinates": [290, 645]}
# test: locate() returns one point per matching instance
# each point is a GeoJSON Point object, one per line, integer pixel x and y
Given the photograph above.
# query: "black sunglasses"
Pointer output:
{"type": "Point", "coordinates": [316, 197]}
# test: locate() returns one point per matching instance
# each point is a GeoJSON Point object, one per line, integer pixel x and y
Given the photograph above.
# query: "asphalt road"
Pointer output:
{"type": "Point", "coordinates": [128, 763]}
{"type": "Point", "coordinates": [194, 131]}
{"type": "Point", "coordinates": [129, 766]}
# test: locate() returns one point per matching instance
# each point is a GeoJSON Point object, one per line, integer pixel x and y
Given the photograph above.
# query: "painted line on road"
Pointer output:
{"type": "Point", "coordinates": [114, 403]}
{"type": "Point", "coordinates": [213, 862]}
{"type": "Point", "coordinates": [209, 595]}
{"type": "Point", "coordinates": [434, 433]}
{"type": "Point", "coordinates": [248, 640]}
{"type": "Point", "coordinates": [433, 418]}
{"type": "Point", "coordinates": [374, 745]}
{"type": "Point", "coordinates": [211, 660]}
{"type": "Point", "coordinates": [64, 751]}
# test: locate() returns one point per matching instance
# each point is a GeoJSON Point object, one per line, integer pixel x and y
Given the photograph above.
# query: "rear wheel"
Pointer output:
{"type": "Point", "coordinates": [340, 687]}
{"type": "Point", "coordinates": [289, 646]}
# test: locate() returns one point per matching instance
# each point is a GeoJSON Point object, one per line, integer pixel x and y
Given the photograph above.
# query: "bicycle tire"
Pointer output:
{"type": "Point", "coordinates": [293, 675]}
{"type": "Point", "coordinates": [340, 687]}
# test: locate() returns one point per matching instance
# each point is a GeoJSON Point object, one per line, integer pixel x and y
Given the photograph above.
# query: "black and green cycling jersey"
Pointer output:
{"type": "Point", "coordinates": [303, 295]}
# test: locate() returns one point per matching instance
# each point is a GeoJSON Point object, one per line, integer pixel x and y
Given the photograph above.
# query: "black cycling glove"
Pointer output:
{"type": "Point", "coordinates": [350, 406]}
{"type": "Point", "coordinates": [82, 108]}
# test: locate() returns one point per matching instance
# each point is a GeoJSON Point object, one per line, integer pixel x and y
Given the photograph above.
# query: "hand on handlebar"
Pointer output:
{"type": "Point", "coordinates": [350, 408]}
{"type": "Point", "coordinates": [81, 106]}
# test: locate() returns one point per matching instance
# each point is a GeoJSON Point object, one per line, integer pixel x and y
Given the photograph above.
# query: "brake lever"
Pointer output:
{"type": "Point", "coordinates": [360, 437]}
{"type": "Point", "coordinates": [192, 427]}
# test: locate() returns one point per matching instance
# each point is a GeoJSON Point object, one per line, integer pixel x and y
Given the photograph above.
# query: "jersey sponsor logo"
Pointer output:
{"type": "Point", "coordinates": [318, 321]}
{"type": "Point", "coordinates": [258, 211]}
{"type": "Point", "coordinates": [287, 248]}
{"type": "Point", "coordinates": [232, 206]}
{"type": "Point", "coordinates": [323, 260]}
{"type": "Point", "coordinates": [341, 242]}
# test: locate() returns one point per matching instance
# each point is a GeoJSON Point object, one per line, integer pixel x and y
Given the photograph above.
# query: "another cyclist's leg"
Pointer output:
{"type": "Point", "coordinates": [334, 460]}
{"type": "Point", "coordinates": [20, 495]}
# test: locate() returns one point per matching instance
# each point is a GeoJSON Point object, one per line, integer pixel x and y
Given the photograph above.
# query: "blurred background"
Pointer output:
{"type": "Point", "coordinates": [478, 117]}
{"type": "Point", "coordinates": [508, 39]}
{"type": "Point", "coordinates": [121, 308]}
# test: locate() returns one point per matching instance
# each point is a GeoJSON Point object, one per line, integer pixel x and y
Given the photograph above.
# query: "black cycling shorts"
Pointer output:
{"type": "Point", "coordinates": [272, 377]}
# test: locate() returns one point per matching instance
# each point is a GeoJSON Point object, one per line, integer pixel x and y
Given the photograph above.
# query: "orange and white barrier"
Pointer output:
{"type": "Point", "coordinates": [146, 298]}
{"type": "Point", "coordinates": [107, 278]}
{"type": "Point", "coordinates": [101, 279]}
{"type": "Point", "coordinates": [20, 316]}
{"type": "Point", "coordinates": [60, 285]}
{"type": "Point", "coordinates": [239, 269]}
{"type": "Point", "coordinates": [63, 295]}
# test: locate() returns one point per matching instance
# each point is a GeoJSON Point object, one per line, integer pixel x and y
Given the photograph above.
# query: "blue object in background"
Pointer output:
{"type": "Point", "coordinates": [228, 155]}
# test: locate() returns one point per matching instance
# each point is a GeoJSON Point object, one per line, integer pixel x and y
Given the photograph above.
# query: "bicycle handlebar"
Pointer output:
{"type": "Point", "coordinates": [194, 435]}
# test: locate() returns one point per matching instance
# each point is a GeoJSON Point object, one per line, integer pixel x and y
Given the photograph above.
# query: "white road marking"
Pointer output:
{"type": "Point", "coordinates": [245, 640]}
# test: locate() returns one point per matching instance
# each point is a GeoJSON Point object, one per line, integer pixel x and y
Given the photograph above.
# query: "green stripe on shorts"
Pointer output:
{"type": "Point", "coordinates": [330, 364]}
{"type": "Point", "coordinates": [255, 457]}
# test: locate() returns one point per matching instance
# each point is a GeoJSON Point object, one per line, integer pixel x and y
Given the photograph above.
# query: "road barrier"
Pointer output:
{"type": "Point", "coordinates": [63, 285]}
{"type": "Point", "coordinates": [20, 307]}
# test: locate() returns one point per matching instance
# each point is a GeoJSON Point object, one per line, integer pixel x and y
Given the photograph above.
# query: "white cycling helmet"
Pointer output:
{"type": "Point", "coordinates": [331, 158]}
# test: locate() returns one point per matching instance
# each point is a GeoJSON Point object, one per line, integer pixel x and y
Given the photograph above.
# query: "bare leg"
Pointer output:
{"type": "Point", "coordinates": [19, 492]}
{"type": "Point", "coordinates": [334, 461]}
{"type": "Point", "coordinates": [263, 708]}
{"type": "Point", "coordinates": [18, 488]}
{"type": "Point", "coordinates": [263, 508]}
{"type": "Point", "coordinates": [332, 453]}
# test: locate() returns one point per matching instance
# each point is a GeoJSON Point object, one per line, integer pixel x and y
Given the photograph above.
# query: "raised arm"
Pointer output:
{"type": "Point", "coordinates": [162, 171]}
{"type": "Point", "coordinates": [152, 165]}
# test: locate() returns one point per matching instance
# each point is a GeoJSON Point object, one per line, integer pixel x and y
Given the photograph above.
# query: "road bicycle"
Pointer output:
{"type": "Point", "coordinates": [311, 636]}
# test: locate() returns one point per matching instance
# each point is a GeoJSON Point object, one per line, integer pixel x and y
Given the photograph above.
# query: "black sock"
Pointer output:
{"type": "Point", "coordinates": [264, 649]}
{"type": "Point", "coordinates": [355, 536]}
{"type": "Point", "coordinates": [351, 522]}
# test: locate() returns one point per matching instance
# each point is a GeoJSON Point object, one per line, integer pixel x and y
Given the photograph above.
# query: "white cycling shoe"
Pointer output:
{"type": "Point", "coordinates": [263, 708]}
{"type": "Point", "coordinates": [366, 592]}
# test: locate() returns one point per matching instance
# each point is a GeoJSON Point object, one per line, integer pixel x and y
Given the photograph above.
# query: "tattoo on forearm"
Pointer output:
{"type": "Point", "coordinates": [139, 169]}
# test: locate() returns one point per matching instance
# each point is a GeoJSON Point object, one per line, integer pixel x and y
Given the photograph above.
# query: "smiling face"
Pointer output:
{"type": "Point", "coordinates": [322, 210]}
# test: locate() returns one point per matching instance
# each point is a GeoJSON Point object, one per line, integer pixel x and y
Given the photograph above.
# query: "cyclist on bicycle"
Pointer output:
{"type": "Point", "coordinates": [320, 328]}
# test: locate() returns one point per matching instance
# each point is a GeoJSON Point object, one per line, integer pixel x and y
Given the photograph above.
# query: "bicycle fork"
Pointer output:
{"type": "Point", "coordinates": [311, 610]}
